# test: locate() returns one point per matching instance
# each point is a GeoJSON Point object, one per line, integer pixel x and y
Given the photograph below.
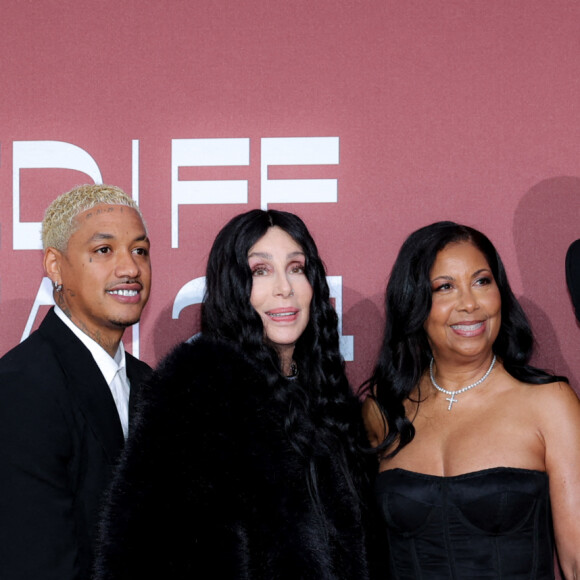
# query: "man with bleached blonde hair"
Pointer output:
{"type": "Point", "coordinates": [67, 392]}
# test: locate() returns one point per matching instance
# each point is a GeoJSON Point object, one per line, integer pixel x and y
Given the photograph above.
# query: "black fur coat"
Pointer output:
{"type": "Point", "coordinates": [209, 485]}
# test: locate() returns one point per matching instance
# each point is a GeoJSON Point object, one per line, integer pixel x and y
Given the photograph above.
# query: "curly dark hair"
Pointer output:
{"type": "Point", "coordinates": [405, 353]}
{"type": "Point", "coordinates": [321, 412]}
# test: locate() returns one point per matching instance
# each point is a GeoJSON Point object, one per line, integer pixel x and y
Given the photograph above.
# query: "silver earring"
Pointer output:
{"type": "Point", "coordinates": [57, 287]}
{"type": "Point", "coordinates": [291, 292]}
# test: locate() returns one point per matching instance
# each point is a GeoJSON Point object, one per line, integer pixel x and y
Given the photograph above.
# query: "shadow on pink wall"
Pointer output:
{"type": "Point", "coordinates": [546, 222]}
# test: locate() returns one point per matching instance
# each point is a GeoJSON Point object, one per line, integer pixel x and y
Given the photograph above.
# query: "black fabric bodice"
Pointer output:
{"type": "Point", "coordinates": [489, 524]}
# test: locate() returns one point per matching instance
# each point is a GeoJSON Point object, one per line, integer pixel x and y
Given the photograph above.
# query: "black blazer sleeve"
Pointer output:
{"type": "Point", "coordinates": [37, 532]}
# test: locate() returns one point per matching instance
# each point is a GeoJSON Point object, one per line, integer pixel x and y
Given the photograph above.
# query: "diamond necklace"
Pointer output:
{"type": "Point", "coordinates": [452, 394]}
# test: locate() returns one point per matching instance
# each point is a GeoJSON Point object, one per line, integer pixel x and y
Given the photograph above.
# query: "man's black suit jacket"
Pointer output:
{"type": "Point", "coordinates": [60, 436]}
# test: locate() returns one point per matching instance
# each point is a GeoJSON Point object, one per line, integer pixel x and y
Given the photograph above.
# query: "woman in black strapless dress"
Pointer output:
{"type": "Point", "coordinates": [479, 452]}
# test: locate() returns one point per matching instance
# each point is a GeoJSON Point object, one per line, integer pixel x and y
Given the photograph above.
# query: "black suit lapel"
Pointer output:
{"type": "Point", "coordinates": [86, 384]}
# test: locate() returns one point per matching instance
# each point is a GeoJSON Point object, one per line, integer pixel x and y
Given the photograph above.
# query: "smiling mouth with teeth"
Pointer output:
{"type": "Point", "coordinates": [467, 327]}
{"type": "Point", "coordinates": [124, 292]}
{"type": "Point", "coordinates": [281, 314]}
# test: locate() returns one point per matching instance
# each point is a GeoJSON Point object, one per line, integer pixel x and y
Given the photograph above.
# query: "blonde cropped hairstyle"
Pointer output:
{"type": "Point", "coordinates": [59, 221]}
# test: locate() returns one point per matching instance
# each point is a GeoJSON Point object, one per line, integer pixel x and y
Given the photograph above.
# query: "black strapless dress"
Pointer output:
{"type": "Point", "coordinates": [490, 524]}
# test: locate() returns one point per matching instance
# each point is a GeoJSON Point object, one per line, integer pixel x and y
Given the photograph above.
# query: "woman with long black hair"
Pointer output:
{"type": "Point", "coordinates": [244, 461]}
{"type": "Point", "coordinates": [479, 451]}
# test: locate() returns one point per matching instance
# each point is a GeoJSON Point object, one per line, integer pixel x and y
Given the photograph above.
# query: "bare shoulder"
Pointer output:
{"type": "Point", "coordinates": [557, 397]}
{"type": "Point", "coordinates": [556, 408]}
{"type": "Point", "coordinates": [374, 420]}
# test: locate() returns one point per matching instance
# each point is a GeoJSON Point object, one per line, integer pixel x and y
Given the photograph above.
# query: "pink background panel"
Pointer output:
{"type": "Point", "coordinates": [456, 110]}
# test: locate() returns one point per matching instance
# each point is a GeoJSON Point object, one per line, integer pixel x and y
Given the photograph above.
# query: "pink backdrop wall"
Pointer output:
{"type": "Point", "coordinates": [462, 110]}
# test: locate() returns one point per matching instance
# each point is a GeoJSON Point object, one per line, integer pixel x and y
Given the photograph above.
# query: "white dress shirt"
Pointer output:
{"type": "Point", "coordinates": [113, 369]}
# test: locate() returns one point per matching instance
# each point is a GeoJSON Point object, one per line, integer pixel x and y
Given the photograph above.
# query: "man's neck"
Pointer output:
{"type": "Point", "coordinates": [108, 341]}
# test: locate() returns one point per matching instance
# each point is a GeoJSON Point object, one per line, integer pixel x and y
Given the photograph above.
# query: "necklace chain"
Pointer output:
{"type": "Point", "coordinates": [452, 394]}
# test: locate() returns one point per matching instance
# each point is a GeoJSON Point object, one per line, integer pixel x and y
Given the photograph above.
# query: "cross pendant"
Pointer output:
{"type": "Point", "coordinates": [451, 400]}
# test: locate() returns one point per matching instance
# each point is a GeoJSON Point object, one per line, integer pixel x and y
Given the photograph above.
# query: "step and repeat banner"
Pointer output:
{"type": "Point", "coordinates": [368, 118]}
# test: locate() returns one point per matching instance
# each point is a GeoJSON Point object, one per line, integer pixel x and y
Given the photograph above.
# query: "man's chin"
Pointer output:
{"type": "Point", "coordinates": [120, 323]}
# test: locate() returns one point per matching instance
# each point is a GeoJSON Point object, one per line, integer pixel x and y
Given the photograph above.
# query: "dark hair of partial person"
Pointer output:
{"type": "Point", "coordinates": [318, 405]}
{"type": "Point", "coordinates": [405, 352]}
{"type": "Point", "coordinates": [573, 275]}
